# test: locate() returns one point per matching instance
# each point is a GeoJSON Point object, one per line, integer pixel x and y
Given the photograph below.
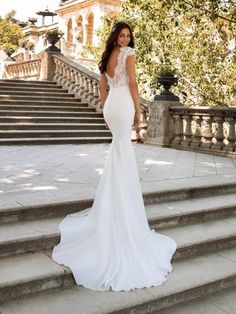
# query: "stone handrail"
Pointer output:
{"type": "Point", "coordinates": [84, 84]}
{"type": "Point", "coordinates": [204, 129]}
{"type": "Point", "coordinates": [23, 70]}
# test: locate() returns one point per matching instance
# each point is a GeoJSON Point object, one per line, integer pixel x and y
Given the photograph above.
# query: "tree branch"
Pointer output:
{"type": "Point", "coordinates": [208, 11]}
{"type": "Point", "coordinates": [205, 95]}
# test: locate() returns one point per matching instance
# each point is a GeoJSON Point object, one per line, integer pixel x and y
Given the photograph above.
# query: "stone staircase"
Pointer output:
{"type": "Point", "coordinates": [201, 219]}
{"type": "Point", "coordinates": [40, 112]}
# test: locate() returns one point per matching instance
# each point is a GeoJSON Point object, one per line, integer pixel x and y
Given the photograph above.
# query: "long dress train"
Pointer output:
{"type": "Point", "coordinates": [110, 245]}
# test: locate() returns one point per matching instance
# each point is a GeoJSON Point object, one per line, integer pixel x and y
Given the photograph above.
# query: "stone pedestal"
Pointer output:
{"type": "Point", "coordinates": [47, 65]}
{"type": "Point", "coordinates": [160, 123]}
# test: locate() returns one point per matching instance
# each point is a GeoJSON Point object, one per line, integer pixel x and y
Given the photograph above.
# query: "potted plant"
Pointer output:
{"type": "Point", "coordinates": [167, 78]}
{"type": "Point", "coordinates": [53, 36]}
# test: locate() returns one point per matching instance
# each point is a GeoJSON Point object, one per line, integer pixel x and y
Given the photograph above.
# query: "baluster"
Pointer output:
{"type": "Point", "coordinates": [219, 136]}
{"type": "Point", "coordinates": [38, 69]}
{"type": "Point", "coordinates": [197, 135]}
{"type": "Point", "coordinates": [12, 72]}
{"type": "Point", "coordinates": [56, 74]}
{"type": "Point", "coordinates": [71, 81]}
{"type": "Point", "coordinates": [27, 70]}
{"type": "Point", "coordinates": [86, 88]}
{"type": "Point", "coordinates": [24, 71]}
{"type": "Point", "coordinates": [64, 77]}
{"type": "Point", "coordinates": [82, 86]}
{"type": "Point", "coordinates": [60, 77]}
{"type": "Point", "coordinates": [207, 135]}
{"type": "Point", "coordinates": [231, 147]}
{"type": "Point", "coordinates": [95, 100]}
{"type": "Point", "coordinates": [30, 70]}
{"type": "Point", "coordinates": [77, 84]}
{"type": "Point", "coordinates": [74, 82]}
{"type": "Point", "coordinates": [67, 83]}
{"type": "Point", "coordinates": [91, 92]}
{"type": "Point", "coordinates": [178, 130]}
{"type": "Point", "coordinates": [142, 132]}
{"type": "Point", "coordinates": [19, 72]}
{"type": "Point", "coordinates": [188, 131]}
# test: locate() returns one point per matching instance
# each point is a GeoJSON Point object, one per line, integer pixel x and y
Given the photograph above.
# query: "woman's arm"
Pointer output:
{"type": "Point", "coordinates": [130, 64]}
{"type": "Point", "coordinates": [103, 88]}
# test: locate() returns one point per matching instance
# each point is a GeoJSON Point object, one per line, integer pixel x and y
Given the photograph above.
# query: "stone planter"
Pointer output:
{"type": "Point", "coordinates": [167, 81]}
{"type": "Point", "coordinates": [53, 39]}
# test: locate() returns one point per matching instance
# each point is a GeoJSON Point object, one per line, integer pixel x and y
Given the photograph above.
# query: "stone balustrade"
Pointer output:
{"type": "Point", "coordinates": [204, 129]}
{"type": "Point", "coordinates": [27, 70]}
{"type": "Point", "coordinates": [163, 123]}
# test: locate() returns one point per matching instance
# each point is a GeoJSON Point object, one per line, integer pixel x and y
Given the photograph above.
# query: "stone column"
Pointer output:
{"type": "Point", "coordinates": [48, 65]}
{"type": "Point", "coordinates": [160, 123]}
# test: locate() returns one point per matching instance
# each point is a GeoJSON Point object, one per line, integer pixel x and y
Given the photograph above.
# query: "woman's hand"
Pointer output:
{"type": "Point", "coordinates": [136, 122]}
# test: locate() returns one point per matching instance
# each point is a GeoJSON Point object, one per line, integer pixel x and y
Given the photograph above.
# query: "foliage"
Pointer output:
{"type": "Point", "coordinates": [26, 43]}
{"type": "Point", "coordinates": [54, 32]}
{"type": "Point", "coordinates": [195, 38]}
{"type": "Point", "coordinates": [166, 70]}
{"type": "Point", "coordinates": [10, 32]}
{"type": "Point", "coordinates": [10, 16]}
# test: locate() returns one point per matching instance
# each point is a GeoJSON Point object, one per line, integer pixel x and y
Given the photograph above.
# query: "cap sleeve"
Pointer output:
{"type": "Point", "coordinates": [125, 53]}
{"type": "Point", "coordinates": [129, 51]}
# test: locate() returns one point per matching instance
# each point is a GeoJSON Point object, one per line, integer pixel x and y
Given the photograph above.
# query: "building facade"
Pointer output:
{"type": "Point", "coordinates": [79, 20]}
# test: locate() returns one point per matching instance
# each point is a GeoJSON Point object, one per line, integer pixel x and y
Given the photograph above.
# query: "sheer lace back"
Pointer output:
{"type": "Point", "coordinates": [120, 77]}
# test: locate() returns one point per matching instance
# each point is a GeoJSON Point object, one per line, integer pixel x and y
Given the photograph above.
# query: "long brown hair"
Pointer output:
{"type": "Point", "coordinates": [110, 43]}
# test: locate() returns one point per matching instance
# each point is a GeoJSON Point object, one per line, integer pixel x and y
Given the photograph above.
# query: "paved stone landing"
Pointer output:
{"type": "Point", "coordinates": [32, 175]}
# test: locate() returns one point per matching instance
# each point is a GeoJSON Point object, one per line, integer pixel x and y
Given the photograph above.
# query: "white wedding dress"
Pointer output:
{"type": "Point", "coordinates": [110, 245]}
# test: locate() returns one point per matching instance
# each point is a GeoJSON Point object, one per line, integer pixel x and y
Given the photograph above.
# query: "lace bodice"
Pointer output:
{"type": "Point", "coordinates": [120, 77]}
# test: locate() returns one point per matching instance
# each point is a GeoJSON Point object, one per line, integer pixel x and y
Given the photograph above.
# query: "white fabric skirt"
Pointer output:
{"type": "Point", "coordinates": [110, 245]}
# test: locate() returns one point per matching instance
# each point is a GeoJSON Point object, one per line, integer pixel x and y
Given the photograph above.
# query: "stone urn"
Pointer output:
{"type": "Point", "coordinates": [9, 52]}
{"type": "Point", "coordinates": [167, 81]}
{"type": "Point", "coordinates": [53, 36]}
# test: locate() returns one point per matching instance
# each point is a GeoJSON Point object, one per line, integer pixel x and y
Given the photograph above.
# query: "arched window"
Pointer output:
{"type": "Point", "coordinates": [80, 30]}
{"type": "Point", "coordinates": [90, 29]}
{"type": "Point", "coordinates": [69, 32]}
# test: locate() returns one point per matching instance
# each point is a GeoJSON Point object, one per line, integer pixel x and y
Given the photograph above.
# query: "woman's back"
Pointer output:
{"type": "Point", "coordinates": [116, 71]}
{"type": "Point", "coordinates": [112, 62]}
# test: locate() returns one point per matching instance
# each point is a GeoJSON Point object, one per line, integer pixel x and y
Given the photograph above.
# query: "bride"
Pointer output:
{"type": "Point", "coordinates": [110, 245]}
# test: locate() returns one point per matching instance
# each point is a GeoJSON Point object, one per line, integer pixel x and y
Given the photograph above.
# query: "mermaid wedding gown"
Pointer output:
{"type": "Point", "coordinates": [110, 245]}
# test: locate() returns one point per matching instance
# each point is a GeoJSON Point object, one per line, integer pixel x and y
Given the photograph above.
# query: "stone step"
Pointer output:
{"type": "Point", "coordinates": [30, 273]}
{"type": "Point", "coordinates": [66, 97]}
{"type": "Point", "coordinates": [192, 239]}
{"type": "Point", "coordinates": [40, 113]}
{"type": "Point", "coordinates": [220, 302]}
{"type": "Point", "coordinates": [42, 97]}
{"type": "Point", "coordinates": [73, 102]}
{"type": "Point", "coordinates": [52, 88]}
{"type": "Point", "coordinates": [52, 126]}
{"type": "Point", "coordinates": [36, 119]}
{"type": "Point", "coordinates": [53, 133]}
{"type": "Point", "coordinates": [27, 83]}
{"type": "Point", "coordinates": [166, 208]}
{"type": "Point", "coordinates": [58, 140]}
{"type": "Point", "coordinates": [39, 93]}
{"type": "Point", "coordinates": [192, 210]}
{"type": "Point", "coordinates": [59, 107]}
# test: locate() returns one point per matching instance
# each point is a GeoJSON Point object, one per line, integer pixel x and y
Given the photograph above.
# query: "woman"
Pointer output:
{"type": "Point", "coordinates": [110, 246]}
